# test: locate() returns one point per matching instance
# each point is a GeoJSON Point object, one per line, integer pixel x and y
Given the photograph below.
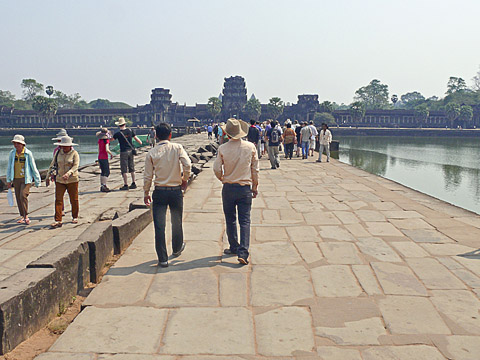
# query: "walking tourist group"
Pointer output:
{"type": "Point", "coordinates": [168, 167]}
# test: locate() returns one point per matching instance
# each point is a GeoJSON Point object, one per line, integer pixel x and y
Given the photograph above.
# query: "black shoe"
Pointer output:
{"type": "Point", "coordinates": [242, 261]}
{"type": "Point", "coordinates": [273, 168]}
{"type": "Point", "coordinates": [229, 252]}
{"type": "Point", "coordinates": [177, 253]}
{"type": "Point", "coordinates": [104, 188]}
{"type": "Point", "coordinates": [278, 164]}
{"type": "Point", "coordinates": [163, 264]}
{"type": "Point", "coordinates": [133, 186]}
{"type": "Point", "coordinates": [124, 187]}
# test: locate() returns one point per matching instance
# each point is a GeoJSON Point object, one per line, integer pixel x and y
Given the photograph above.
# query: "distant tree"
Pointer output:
{"type": "Point", "coordinates": [115, 118]}
{"type": "Point", "coordinates": [275, 107]}
{"type": "Point", "coordinates": [107, 104]}
{"type": "Point", "coordinates": [324, 117]}
{"type": "Point", "coordinates": [357, 111]}
{"type": "Point", "coordinates": [452, 111]}
{"type": "Point", "coordinates": [421, 113]}
{"type": "Point", "coordinates": [6, 98]}
{"type": "Point", "coordinates": [253, 108]}
{"type": "Point", "coordinates": [466, 115]}
{"type": "Point", "coordinates": [45, 107]}
{"type": "Point", "coordinates": [476, 81]}
{"type": "Point", "coordinates": [455, 84]}
{"type": "Point", "coordinates": [31, 88]}
{"type": "Point", "coordinates": [326, 107]}
{"type": "Point", "coordinates": [373, 95]}
{"type": "Point", "coordinates": [214, 106]}
{"type": "Point", "coordinates": [412, 99]}
{"type": "Point", "coordinates": [394, 99]}
{"type": "Point", "coordinates": [73, 101]}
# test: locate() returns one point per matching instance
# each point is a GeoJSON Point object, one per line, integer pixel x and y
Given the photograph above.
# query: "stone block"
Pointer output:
{"type": "Point", "coordinates": [128, 226]}
{"type": "Point", "coordinates": [196, 169]}
{"type": "Point", "coordinates": [99, 237]}
{"type": "Point", "coordinates": [137, 204]}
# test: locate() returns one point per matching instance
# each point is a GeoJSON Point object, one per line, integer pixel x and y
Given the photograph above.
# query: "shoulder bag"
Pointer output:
{"type": "Point", "coordinates": [134, 151]}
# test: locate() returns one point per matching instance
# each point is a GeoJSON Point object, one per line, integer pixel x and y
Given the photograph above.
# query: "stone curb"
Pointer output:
{"type": "Point", "coordinates": [128, 226]}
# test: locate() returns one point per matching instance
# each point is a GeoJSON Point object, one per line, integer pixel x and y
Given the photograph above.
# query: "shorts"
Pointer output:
{"type": "Point", "coordinates": [312, 144]}
{"type": "Point", "coordinates": [126, 162]}
{"type": "Point", "coordinates": [104, 167]}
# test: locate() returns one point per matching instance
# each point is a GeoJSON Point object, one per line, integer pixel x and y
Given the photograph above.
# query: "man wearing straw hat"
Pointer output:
{"type": "Point", "coordinates": [21, 173]}
{"type": "Point", "coordinates": [125, 138]}
{"type": "Point", "coordinates": [236, 166]}
{"type": "Point", "coordinates": [64, 167]}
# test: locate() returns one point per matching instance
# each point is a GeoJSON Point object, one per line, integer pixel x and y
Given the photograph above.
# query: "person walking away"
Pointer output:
{"type": "Point", "coordinates": [325, 139]}
{"type": "Point", "coordinates": [151, 137]}
{"type": "Point", "coordinates": [21, 174]}
{"type": "Point", "coordinates": [289, 139]}
{"type": "Point", "coordinates": [103, 153]}
{"type": "Point", "coordinates": [254, 136]}
{"type": "Point", "coordinates": [274, 139]}
{"type": "Point", "coordinates": [209, 131]}
{"type": "Point", "coordinates": [220, 133]}
{"type": "Point", "coordinates": [305, 135]}
{"type": "Point", "coordinates": [215, 131]}
{"type": "Point", "coordinates": [298, 129]}
{"type": "Point", "coordinates": [236, 166]}
{"type": "Point", "coordinates": [168, 166]}
{"type": "Point", "coordinates": [64, 167]}
{"type": "Point", "coordinates": [313, 138]}
{"type": "Point", "coordinates": [125, 137]}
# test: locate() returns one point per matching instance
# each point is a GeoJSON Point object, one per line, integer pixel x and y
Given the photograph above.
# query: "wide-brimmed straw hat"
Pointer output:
{"type": "Point", "coordinates": [59, 135]}
{"type": "Point", "coordinates": [235, 128]}
{"type": "Point", "coordinates": [121, 121]}
{"type": "Point", "coordinates": [19, 139]}
{"type": "Point", "coordinates": [65, 141]}
{"type": "Point", "coordinates": [102, 134]}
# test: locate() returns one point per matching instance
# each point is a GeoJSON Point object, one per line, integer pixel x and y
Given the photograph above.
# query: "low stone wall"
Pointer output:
{"type": "Point", "coordinates": [32, 297]}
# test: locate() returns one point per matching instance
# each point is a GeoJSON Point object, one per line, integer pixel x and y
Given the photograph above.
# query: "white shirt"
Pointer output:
{"type": "Point", "coordinates": [314, 132]}
{"type": "Point", "coordinates": [325, 137]}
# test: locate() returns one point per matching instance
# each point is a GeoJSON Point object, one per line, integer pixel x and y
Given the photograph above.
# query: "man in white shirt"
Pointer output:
{"type": "Point", "coordinates": [166, 161]}
{"type": "Point", "coordinates": [325, 139]}
{"type": "Point", "coordinates": [312, 138]}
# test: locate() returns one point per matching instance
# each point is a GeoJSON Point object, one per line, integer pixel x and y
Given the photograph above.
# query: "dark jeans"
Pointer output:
{"type": "Point", "coordinates": [289, 150]}
{"type": "Point", "coordinates": [237, 197]}
{"type": "Point", "coordinates": [174, 200]}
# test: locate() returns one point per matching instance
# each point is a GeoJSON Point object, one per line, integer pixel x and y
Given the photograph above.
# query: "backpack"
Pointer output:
{"type": "Point", "coordinates": [275, 136]}
{"type": "Point", "coordinates": [253, 134]}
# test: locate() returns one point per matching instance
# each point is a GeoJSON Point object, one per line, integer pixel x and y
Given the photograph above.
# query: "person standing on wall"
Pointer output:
{"type": "Point", "coordinates": [170, 165]}
{"type": "Point", "coordinates": [103, 153]}
{"type": "Point", "coordinates": [325, 139]}
{"type": "Point", "coordinates": [236, 166]}
{"type": "Point", "coordinates": [21, 174]}
{"type": "Point", "coordinates": [64, 168]}
{"type": "Point", "coordinates": [125, 137]}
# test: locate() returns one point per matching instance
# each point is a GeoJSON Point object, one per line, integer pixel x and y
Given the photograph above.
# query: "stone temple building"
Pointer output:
{"type": "Point", "coordinates": [234, 97]}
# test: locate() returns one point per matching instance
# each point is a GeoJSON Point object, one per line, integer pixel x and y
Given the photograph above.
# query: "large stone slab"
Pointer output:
{"type": "Point", "coordinates": [335, 280]}
{"type": "Point", "coordinates": [367, 279]}
{"type": "Point", "coordinates": [382, 229]}
{"type": "Point", "coordinates": [309, 251]}
{"type": "Point", "coordinates": [303, 233]}
{"type": "Point", "coordinates": [462, 347]}
{"type": "Point", "coordinates": [409, 249]}
{"type": "Point", "coordinates": [361, 332]}
{"type": "Point", "coordinates": [341, 253]}
{"type": "Point", "coordinates": [135, 330]}
{"type": "Point", "coordinates": [417, 352]}
{"type": "Point", "coordinates": [398, 279]}
{"type": "Point", "coordinates": [378, 249]}
{"type": "Point", "coordinates": [189, 332]}
{"type": "Point", "coordinates": [411, 315]}
{"type": "Point", "coordinates": [128, 226]}
{"type": "Point", "coordinates": [427, 236]}
{"type": "Point", "coordinates": [274, 253]}
{"type": "Point", "coordinates": [280, 285]}
{"type": "Point", "coordinates": [434, 275]}
{"type": "Point", "coordinates": [338, 353]}
{"type": "Point", "coordinates": [284, 332]}
{"type": "Point", "coordinates": [233, 289]}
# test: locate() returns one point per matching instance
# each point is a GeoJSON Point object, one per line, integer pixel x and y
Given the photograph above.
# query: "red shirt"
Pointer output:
{"type": "Point", "coordinates": [102, 148]}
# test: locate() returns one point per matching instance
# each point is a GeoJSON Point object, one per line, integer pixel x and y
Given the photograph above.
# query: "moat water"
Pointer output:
{"type": "Point", "coordinates": [445, 168]}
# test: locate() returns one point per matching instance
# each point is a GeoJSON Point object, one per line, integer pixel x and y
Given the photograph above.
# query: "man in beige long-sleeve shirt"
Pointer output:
{"type": "Point", "coordinates": [236, 166]}
{"type": "Point", "coordinates": [166, 161]}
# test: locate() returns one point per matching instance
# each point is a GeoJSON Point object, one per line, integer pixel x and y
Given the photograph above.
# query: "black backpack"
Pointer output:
{"type": "Point", "coordinates": [253, 134]}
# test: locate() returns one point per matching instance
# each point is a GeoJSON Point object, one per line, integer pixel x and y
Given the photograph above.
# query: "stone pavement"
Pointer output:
{"type": "Point", "coordinates": [344, 265]}
{"type": "Point", "coordinates": [20, 244]}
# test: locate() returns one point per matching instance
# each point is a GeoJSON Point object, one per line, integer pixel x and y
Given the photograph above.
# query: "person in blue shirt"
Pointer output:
{"type": "Point", "coordinates": [209, 131]}
{"type": "Point", "coordinates": [21, 174]}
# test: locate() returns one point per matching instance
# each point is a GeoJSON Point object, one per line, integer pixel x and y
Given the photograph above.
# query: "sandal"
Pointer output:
{"type": "Point", "coordinates": [75, 221]}
{"type": "Point", "coordinates": [27, 221]}
{"type": "Point", "coordinates": [21, 221]}
{"type": "Point", "coordinates": [56, 225]}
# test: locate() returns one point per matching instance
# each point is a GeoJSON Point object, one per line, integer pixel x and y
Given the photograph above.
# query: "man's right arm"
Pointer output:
{"type": "Point", "coordinates": [147, 175]}
{"type": "Point", "coordinates": [217, 166]}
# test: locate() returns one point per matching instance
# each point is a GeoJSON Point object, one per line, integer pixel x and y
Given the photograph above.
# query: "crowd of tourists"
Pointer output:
{"type": "Point", "coordinates": [168, 167]}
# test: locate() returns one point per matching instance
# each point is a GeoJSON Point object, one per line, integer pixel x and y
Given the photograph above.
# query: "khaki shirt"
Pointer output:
{"type": "Point", "coordinates": [67, 163]}
{"type": "Point", "coordinates": [237, 163]}
{"type": "Point", "coordinates": [166, 161]}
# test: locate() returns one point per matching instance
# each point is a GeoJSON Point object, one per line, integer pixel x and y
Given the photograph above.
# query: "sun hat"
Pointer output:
{"type": "Point", "coordinates": [121, 121]}
{"type": "Point", "coordinates": [102, 134]}
{"type": "Point", "coordinates": [19, 139]}
{"type": "Point", "coordinates": [59, 135]}
{"type": "Point", "coordinates": [236, 129]}
{"type": "Point", "coordinates": [65, 141]}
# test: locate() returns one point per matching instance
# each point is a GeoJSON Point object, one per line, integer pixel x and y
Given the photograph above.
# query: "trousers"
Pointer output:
{"type": "Point", "coordinates": [72, 190]}
{"type": "Point", "coordinates": [22, 191]}
{"type": "Point", "coordinates": [273, 155]}
{"type": "Point", "coordinates": [327, 151]}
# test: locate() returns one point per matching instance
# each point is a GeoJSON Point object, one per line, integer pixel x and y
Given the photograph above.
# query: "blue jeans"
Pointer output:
{"type": "Point", "coordinates": [305, 148]}
{"type": "Point", "coordinates": [237, 197]}
{"type": "Point", "coordinates": [161, 200]}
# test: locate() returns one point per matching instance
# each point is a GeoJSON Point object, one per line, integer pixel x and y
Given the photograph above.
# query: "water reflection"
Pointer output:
{"type": "Point", "coordinates": [445, 168]}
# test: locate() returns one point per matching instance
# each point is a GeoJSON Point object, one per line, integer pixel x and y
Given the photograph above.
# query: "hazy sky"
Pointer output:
{"type": "Point", "coordinates": [120, 49]}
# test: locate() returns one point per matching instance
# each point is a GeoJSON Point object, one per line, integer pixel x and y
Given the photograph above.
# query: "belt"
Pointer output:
{"type": "Point", "coordinates": [168, 188]}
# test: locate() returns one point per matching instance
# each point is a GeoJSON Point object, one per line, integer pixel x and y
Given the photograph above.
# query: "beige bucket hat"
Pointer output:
{"type": "Point", "coordinates": [235, 128]}
{"type": "Point", "coordinates": [65, 141]}
{"type": "Point", "coordinates": [19, 139]}
{"type": "Point", "coordinates": [59, 135]}
{"type": "Point", "coordinates": [121, 121]}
